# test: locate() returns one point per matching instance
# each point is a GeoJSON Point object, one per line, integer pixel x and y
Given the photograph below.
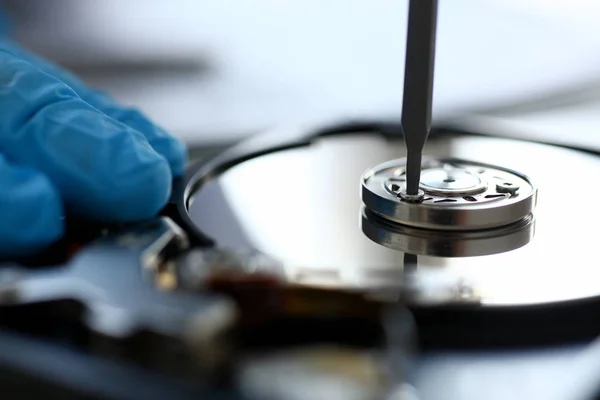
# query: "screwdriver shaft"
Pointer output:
{"type": "Point", "coordinates": [418, 85]}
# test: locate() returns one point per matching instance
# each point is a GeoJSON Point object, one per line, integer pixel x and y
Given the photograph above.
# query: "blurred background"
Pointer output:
{"type": "Point", "coordinates": [214, 71]}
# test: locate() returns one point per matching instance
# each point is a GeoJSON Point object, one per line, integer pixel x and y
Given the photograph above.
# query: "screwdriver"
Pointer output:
{"type": "Point", "coordinates": [418, 88]}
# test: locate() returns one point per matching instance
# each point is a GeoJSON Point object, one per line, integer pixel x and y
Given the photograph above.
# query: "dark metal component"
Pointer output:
{"type": "Point", "coordinates": [34, 369]}
{"type": "Point", "coordinates": [196, 268]}
{"type": "Point", "coordinates": [418, 85]}
{"type": "Point", "coordinates": [115, 281]}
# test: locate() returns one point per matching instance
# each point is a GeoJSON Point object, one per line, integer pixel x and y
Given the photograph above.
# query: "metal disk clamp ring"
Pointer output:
{"type": "Point", "coordinates": [456, 195]}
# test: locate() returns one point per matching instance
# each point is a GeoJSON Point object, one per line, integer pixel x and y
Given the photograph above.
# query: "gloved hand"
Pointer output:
{"type": "Point", "coordinates": [67, 148]}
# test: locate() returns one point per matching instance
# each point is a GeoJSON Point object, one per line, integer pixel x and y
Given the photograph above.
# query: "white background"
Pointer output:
{"type": "Point", "coordinates": [275, 62]}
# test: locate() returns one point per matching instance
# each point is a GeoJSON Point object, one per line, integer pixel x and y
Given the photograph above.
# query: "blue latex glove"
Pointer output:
{"type": "Point", "coordinates": [65, 147]}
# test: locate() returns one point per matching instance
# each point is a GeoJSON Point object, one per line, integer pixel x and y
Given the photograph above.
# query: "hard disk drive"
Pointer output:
{"type": "Point", "coordinates": [293, 266]}
{"type": "Point", "coordinates": [354, 261]}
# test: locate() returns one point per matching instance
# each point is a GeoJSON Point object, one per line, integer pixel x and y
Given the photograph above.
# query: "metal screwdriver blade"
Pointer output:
{"type": "Point", "coordinates": [418, 85]}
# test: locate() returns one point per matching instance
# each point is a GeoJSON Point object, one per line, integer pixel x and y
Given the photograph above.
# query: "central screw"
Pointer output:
{"type": "Point", "coordinates": [411, 198]}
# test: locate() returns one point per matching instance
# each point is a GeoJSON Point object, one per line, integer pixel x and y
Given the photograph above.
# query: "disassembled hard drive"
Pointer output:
{"type": "Point", "coordinates": [296, 286]}
{"type": "Point", "coordinates": [317, 264]}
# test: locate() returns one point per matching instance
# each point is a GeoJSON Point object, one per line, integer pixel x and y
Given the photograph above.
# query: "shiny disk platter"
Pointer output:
{"type": "Point", "coordinates": [502, 224]}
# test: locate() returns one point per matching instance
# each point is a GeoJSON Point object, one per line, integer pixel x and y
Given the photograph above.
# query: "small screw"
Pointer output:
{"type": "Point", "coordinates": [506, 187]}
{"type": "Point", "coordinates": [411, 198]}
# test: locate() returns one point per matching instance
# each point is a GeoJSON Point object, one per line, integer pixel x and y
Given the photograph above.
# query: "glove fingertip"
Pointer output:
{"type": "Point", "coordinates": [31, 211]}
{"type": "Point", "coordinates": [170, 147]}
{"type": "Point", "coordinates": [175, 151]}
{"type": "Point", "coordinates": [138, 194]}
{"type": "Point", "coordinates": [149, 191]}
